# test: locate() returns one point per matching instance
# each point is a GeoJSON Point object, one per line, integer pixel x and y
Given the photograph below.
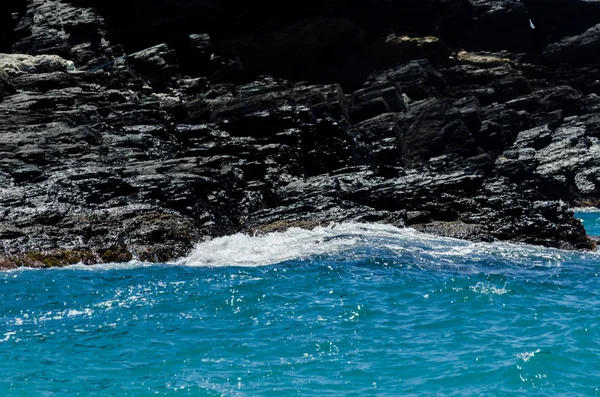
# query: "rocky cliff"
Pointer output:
{"type": "Point", "coordinates": [137, 129]}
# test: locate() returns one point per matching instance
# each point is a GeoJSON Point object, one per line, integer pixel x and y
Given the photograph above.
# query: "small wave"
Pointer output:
{"type": "Point", "coordinates": [75, 313]}
{"type": "Point", "coordinates": [350, 241]}
{"type": "Point", "coordinates": [133, 264]}
{"type": "Point", "coordinates": [358, 241]}
{"type": "Point", "coordinates": [525, 356]}
{"type": "Point", "coordinates": [294, 243]}
{"type": "Point", "coordinates": [7, 336]}
{"type": "Point", "coordinates": [298, 244]}
{"type": "Point", "coordinates": [487, 289]}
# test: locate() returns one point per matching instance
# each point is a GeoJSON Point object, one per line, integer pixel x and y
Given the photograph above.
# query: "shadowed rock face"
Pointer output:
{"type": "Point", "coordinates": [581, 49]}
{"type": "Point", "coordinates": [9, 15]}
{"type": "Point", "coordinates": [319, 41]}
{"type": "Point", "coordinates": [402, 117]}
{"type": "Point", "coordinates": [556, 19]}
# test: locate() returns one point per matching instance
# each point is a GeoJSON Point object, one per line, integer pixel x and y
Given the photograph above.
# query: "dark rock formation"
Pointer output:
{"type": "Point", "coordinates": [440, 115]}
{"type": "Point", "coordinates": [556, 19]}
{"type": "Point", "coordinates": [583, 48]}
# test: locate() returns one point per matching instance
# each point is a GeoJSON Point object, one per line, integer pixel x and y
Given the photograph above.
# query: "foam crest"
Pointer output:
{"type": "Point", "coordinates": [359, 240]}
{"type": "Point", "coordinates": [352, 241]}
{"type": "Point", "coordinates": [294, 243]}
{"type": "Point", "coordinates": [525, 356]}
{"type": "Point", "coordinates": [587, 210]}
{"type": "Point", "coordinates": [487, 289]}
{"type": "Point", "coordinates": [133, 264]}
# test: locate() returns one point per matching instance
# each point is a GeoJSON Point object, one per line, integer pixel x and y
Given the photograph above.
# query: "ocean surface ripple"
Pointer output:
{"type": "Point", "coordinates": [349, 309]}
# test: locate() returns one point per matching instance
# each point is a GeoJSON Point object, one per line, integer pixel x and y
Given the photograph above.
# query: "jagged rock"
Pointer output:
{"type": "Point", "coordinates": [567, 155]}
{"type": "Point", "coordinates": [143, 155]}
{"type": "Point", "coordinates": [434, 127]}
{"type": "Point", "coordinates": [379, 139]}
{"type": "Point", "coordinates": [582, 48]}
{"type": "Point", "coordinates": [375, 100]}
{"type": "Point", "coordinates": [58, 28]}
{"type": "Point", "coordinates": [6, 87]}
{"type": "Point", "coordinates": [545, 101]}
{"type": "Point", "coordinates": [418, 79]}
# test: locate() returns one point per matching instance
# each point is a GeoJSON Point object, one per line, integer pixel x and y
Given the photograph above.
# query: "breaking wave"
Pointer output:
{"type": "Point", "coordinates": [361, 241]}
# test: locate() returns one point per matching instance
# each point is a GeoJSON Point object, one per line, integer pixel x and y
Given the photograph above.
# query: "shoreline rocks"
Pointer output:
{"type": "Point", "coordinates": [161, 148]}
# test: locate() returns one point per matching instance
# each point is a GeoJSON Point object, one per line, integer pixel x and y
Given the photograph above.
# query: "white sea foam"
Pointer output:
{"type": "Point", "coordinates": [276, 247]}
{"type": "Point", "coordinates": [585, 209]}
{"type": "Point", "coordinates": [295, 243]}
{"type": "Point", "coordinates": [351, 241]}
{"type": "Point", "coordinates": [348, 238]}
{"type": "Point", "coordinates": [133, 264]}
{"type": "Point", "coordinates": [74, 313]}
{"type": "Point", "coordinates": [525, 356]}
{"type": "Point", "coordinates": [7, 336]}
{"type": "Point", "coordinates": [487, 289]}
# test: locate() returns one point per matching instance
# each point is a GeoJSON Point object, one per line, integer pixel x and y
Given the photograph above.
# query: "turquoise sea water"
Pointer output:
{"type": "Point", "coordinates": [350, 310]}
{"type": "Point", "coordinates": [591, 221]}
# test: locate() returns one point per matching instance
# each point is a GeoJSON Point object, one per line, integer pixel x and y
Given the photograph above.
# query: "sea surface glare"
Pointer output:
{"type": "Point", "coordinates": [350, 309]}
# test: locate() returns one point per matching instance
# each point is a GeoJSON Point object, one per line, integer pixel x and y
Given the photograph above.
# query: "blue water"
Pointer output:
{"type": "Point", "coordinates": [346, 310]}
{"type": "Point", "coordinates": [591, 221]}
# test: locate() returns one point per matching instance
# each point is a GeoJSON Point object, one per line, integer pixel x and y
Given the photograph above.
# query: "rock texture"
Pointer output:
{"type": "Point", "coordinates": [195, 119]}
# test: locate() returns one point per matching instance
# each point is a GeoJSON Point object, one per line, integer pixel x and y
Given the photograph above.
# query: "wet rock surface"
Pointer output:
{"type": "Point", "coordinates": [436, 120]}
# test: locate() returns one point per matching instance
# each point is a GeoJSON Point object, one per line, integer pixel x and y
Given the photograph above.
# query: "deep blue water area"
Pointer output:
{"type": "Point", "coordinates": [591, 221]}
{"type": "Point", "coordinates": [349, 309]}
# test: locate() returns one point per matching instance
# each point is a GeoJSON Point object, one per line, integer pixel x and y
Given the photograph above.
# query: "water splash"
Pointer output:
{"type": "Point", "coordinates": [587, 210]}
{"type": "Point", "coordinates": [525, 356]}
{"type": "Point", "coordinates": [355, 241]}
{"type": "Point", "coordinates": [349, 239]}
{"type": "Point", "coordinates": [487, 289]}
